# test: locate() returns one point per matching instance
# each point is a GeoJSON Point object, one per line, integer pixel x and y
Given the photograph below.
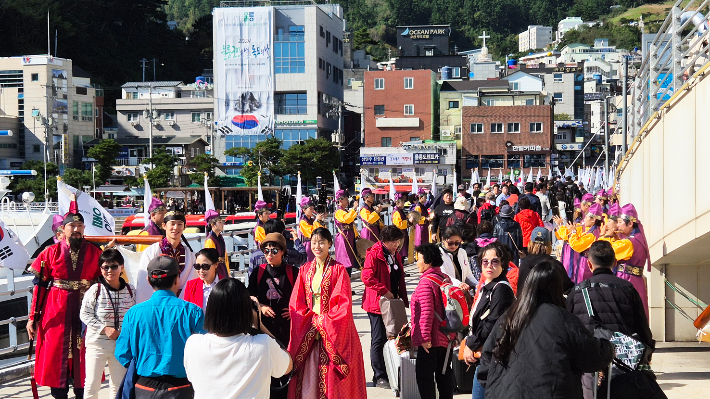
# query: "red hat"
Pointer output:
{"type": "Point", "coordinates": [73, 215]}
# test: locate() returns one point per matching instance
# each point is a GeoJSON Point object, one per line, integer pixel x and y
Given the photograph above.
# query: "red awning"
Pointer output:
{"type": "Point", "coordinates": [380, 191]}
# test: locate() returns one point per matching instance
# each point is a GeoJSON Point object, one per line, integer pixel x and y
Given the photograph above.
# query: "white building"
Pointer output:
{"type": "Point", "coordinates": [420, 160]}
{"type": "Point", "coordinates": [546, 57]}
{"type": "Point", "coordinates": [566, 25]}
{"type": "Point", "coordinates": [309, 93]}
{"type": "Point", "coordinates": [39, 93]}
{"type": "Point", "coordinates": [536, 37]}
{"type": "Point", "coordinates": [522, 81]}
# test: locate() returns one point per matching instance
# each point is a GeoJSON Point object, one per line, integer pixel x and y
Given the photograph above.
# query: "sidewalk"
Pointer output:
{"type": "Point", "coordinates": [682, 368]}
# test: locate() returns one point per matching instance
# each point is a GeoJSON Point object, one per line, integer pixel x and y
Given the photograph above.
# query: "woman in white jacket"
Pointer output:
{"type": "Point", "coordinates": [456, 264]}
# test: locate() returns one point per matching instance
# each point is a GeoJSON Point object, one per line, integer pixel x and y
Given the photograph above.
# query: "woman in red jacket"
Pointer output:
{"type": "Point", "coordinates": [383, 275]}
{"type": "Point", "coordinates": [432, 344]}
{"type": "Point", "coordinates": [528, 219]}
{"type": "Point", "coordinates": [198, 290]}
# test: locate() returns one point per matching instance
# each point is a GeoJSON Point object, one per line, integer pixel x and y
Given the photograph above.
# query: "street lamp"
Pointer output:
{"type": "Point", "coordinates": [46, 123]}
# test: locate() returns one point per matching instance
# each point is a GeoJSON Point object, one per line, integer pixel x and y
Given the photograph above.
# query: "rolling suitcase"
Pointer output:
{"type": "Point", "coordinates": [463, 373]}
{"type": "Point", "coordinates": [392, 362]}
{"type": "Point", "coordinates": [408, 388]}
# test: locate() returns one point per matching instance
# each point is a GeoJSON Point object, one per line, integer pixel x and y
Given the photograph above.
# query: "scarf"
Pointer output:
{"type": "Point", "coordinates": [178, 253]}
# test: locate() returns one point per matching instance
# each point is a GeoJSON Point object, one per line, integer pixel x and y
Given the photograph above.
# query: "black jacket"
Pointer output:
{"type": "Point", "coordinates": [534, 202]}
{"type": "Point", "coordinates": [549, 358]}
{"type": "Point", "coordinates": [492, 303]}
{"type": "Point", "coordinates": [616, 304]}
{"type": "Point", "coordinates": [514, 240]}
{"type": "Point", "coordinates": [441, 213]}
{"type": "Point", "coordinates": [530, 261]}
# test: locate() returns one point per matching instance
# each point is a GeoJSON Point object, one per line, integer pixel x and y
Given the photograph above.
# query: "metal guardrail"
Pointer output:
{"type": "Point", "coordinates": [10, 206]}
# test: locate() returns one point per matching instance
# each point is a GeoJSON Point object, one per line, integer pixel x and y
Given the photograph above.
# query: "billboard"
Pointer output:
{"type": "Point", "coordinates": [244, 70]}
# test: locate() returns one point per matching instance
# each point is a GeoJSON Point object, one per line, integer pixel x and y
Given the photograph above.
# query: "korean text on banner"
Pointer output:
{"type": "Point", "coordinates": [13, 254]}
{"type": "Point", "coordinates": [244, 70]}
{"type": "Point", "coordinates": [97, 220]}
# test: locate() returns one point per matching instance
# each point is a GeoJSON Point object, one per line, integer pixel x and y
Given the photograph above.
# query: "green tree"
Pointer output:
{"type": "Point", "coordinates": [163, 166]}
{"type": "Point", "coordinates": [265, 156]}
{"type": "Point", "coordinates": [105, 153]}
{"type": "Point", "coordinates": [562, 117]}
{"type": "Point", "coordinates": [205, 163]}
{"type": "Point", "coordinates": [35, 184]}
{"type": "Point", "coordinates": [79, 178]}
{"type": "Point", "coordinates": [315, 157]}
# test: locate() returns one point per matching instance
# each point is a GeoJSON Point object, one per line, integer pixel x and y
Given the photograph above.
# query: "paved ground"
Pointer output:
{"type": "Point", "coordinates": [683, 368]}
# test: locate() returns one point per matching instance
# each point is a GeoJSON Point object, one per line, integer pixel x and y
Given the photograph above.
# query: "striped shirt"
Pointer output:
{"type": "Point", "coordinates": [99, 310]}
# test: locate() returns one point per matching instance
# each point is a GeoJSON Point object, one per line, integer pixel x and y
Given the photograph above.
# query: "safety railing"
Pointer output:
{"type": "Point", "coordinates": [679, 49]}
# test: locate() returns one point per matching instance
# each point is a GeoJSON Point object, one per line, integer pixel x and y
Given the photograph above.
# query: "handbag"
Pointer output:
{"type": "Point", "coordinates": [394, 315]}
{"type": "Point", "coordinates": [476, 353]}
{"type": "Point", "coordinates": [403, 342]}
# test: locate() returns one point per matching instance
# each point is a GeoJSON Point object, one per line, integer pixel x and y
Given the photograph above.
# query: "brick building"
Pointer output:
{"type": "Point", "coordinates": [505, 137]}
{"type": "Point", "coordinates": [399, 106]}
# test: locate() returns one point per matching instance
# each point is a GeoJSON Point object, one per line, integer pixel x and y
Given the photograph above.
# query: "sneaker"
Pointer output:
{"type": "Point", "coordinates": [382, 383]}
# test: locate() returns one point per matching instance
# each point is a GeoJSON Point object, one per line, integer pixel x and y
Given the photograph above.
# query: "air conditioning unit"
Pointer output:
{"type": "Point", "coordinates": [156, 122]}
{"type": "Point", "coordinates": [171, 123]}
{"type": "Point", "coordinates": [133, 123]}
{"type": "Point", "coordinates": [446, 133]}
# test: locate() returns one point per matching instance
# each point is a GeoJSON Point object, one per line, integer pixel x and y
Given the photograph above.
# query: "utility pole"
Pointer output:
{"type": "Point", "coordinates": [625, 115]}
{"type": "Point", "coordinates": [153, 69]}
{"type": "Point", "coordinates": [143, 62]}
{"type": "Point", "coordinates": [606, 136]}
{"type": "Point", "coordinates": [150, 130]}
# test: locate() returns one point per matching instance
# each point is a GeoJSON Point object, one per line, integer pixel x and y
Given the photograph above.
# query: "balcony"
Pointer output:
{"type": "Point", "coordinates": [136, 161]}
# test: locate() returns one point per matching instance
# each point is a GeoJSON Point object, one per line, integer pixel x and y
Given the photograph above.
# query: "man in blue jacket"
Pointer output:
{"type": "Point", "coordinates": [154, 334]}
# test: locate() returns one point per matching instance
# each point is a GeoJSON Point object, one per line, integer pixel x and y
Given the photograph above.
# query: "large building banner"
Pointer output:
{"type": "Point", "coordinates": [244, 70]}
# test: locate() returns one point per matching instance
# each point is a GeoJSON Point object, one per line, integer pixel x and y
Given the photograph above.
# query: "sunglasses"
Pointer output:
{"type": "Point", "coordinates": [453, 243]}
{"type": "Point", "coordinates": [109, 267]}
{"type": "Point", "coordinates": [492, 263]}
{"type": "Point", "coordinates": [204, 266]}
{"type": "Point", "coordinates": [271, 251]}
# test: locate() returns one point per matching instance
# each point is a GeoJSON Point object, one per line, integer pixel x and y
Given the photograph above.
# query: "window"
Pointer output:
{"type": "Point", "coordinates": [529, 101]}
{"type": "Point", "coordinates": [379, 110]}
{"type": "Point", "coordinates": [112, 136]}
{"type": "Point", "coordinates": [455, 72]}
{"type": "Point", "coordinates": [513, 161]}
{"type": "Point", "coordinates": [296, 33]}
{"type": "Point", "coordinates": [453, 104]}
{"type": "Point", "coordinates": [327, 38]}
{"type": "Point", "coordinates": [386, 142]}
{"type": "Point", "coordinates": [81, 90]}
{"type": "Point", "coordinates": [350, 82]}
{"type": "Point", "coordinates": [558, 98]}
{"type": "Point", "coordinates": [35, 77]}
{"type": "Point", "coordinates": [557, 77]}
{"type": "Point", "coordinates": [516, 86]}
{"type": "Point", "coordinates": [419, 171]}
{"type": "Point", "coordinates": [477, 128]}
{"type": "Point", "coordinates": [320, 63]}
{"type": "Point", "coordinates": [322, 31]}
{"type": "Point", "coordinates": [490, 102]}
{"type": "Point", "coordinates": [379, 83]}
{"type": "Point", "coordinates": [327, 69]}
{"type": "Point", "coordinates": [87, 111]}
{"type": "Point", "coordinates": [513, 127]}
{"type": "Point", "coordinates": [471, 161]}
{"type": "Point", "coordinates": [535, 127]}
{"type": "Point", "coordinates": [408, 83]}
{"type": "Point", "coordinates": [169, 116]}
{"type": "Point", "coordinates": [198, 94]}
{"type": "Point", "coordinates": [75, 111]}
{"type": "Point", "coordinates": [290, 57]}
{"type": "Point", "coordinates": [492, 161]}
{"type": "Point", "coordinates": [409, 109]}
{"type": "Point", "coordinates": [429, 52]}
{"type": "Point", "coordinates": [132, 117]}
{"type": "Point", "coordinates": [35, 147]}
{"type": "Point", "coordinates": [496, 128]}
{"type": "Point", "coordinates": [291, 103]}
{"type": "Point", "coordinates": [396, 171]}
{"type": "Point", "coordinates": [561, 136]}
{"type": "Point", "coordinates": [208, 116]}
{"type": "Point", "coordinates": [414, 139]}
{"type": "Point", "coordinates": [534, 161]}
{"type": "Point", "coordinates": [133, 96]}
{"type": "Point", "coordinates": [195, 117]}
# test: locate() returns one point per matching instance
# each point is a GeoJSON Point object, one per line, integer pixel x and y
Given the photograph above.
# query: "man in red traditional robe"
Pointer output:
{"type": "Point", "coordinates": [70, 268]}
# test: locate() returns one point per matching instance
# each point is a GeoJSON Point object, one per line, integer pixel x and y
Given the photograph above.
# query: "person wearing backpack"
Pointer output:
{"type": "Point", "coordinates": [616, 303]}
{"type": "Point", "coordinates": [487, 211]}
{"type": "Point", "coordinates": [430, 342]}
{"type": "Point", "coordinates": [509, 232]}
{"type": "Point", "coordinates": [271, 284]}
{"type": "Point", "coordinates": [102, 310]}
{"type": "Point", "coordinates": [494, 299]}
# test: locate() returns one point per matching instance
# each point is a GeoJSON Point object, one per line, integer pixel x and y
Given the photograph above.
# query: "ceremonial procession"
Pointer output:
{"type": "Point", "coordinates": [295, 199]}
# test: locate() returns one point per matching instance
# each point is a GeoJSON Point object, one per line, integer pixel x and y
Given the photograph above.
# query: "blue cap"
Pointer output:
{"type": "Point", "coordinates": [541, 235]}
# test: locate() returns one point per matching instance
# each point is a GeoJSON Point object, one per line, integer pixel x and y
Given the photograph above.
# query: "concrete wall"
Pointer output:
{"type": "Point", "coordinates": [665, 178]}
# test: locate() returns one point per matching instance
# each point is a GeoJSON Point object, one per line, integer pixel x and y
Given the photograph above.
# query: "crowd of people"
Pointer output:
{"type": "Point", "coordinates": [186, 329]}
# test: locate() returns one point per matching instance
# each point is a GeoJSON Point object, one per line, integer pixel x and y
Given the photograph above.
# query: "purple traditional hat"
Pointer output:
{"type": "Point", "coordinates": [211, 214]}
{"type": "Point", "coordinates": [628, 211]}
{"type": "Point", "coordinates": [595, 211]}
{"type": "Point", "coordinates": [156, 205]}
{"type": "Point", "coordinates": [365, 192]}
{"type": "Point", "coordinates": [614, 210]}
{"type": "Point", "coordinates": [57, 222]}
{"type": "Point", "coordinates": [587, 199]}
{"type": "Point", "coordinates": [341, 194]}
{"type": "Point", "coordinates": [399, 196]}
{"type": "Point", "coordinates": [577, 204]}
{"type": "Point", "coordinates": [601, 194]}
{"type": "Point", "coordinates": [306, 202]}
{"type": "Point", "coordinates": [259, 206]}
{"type": "Point", "coordinates": [421, 191]}
{"type": "Point", "coordinates": [610, 193]}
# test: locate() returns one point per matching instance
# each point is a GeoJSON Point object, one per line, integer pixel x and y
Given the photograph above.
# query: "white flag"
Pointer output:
{"type": "Point", "coordinates": [209, 203]}
{"type": "Point", "coordinates": [500, 176]}
{"type": "Point", "coordinates": [539, 174]}
{"type": "Point", "coordinates": [299, 197]}
{"type": "Point", "coordinates": [530, 176]}
{"type": "Point", "coordinates": [13, 254]}
{"type": "Point", "coordinates": [392, 190]}
{"type": "Point", "coordinates": [336, 185]}
{"type": "Point", "coordinates": [488, 178]}
{"type": "Point", "coordinates": [147, 199]}
{"type": "Point", "coordinates": [415, 186]}
{"type": "Point", "coordinates": [260, 195]}
{"type": "Point", "coordinates": [433, 185]}
{"type": "Point", "coordinates": [97, 220]}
